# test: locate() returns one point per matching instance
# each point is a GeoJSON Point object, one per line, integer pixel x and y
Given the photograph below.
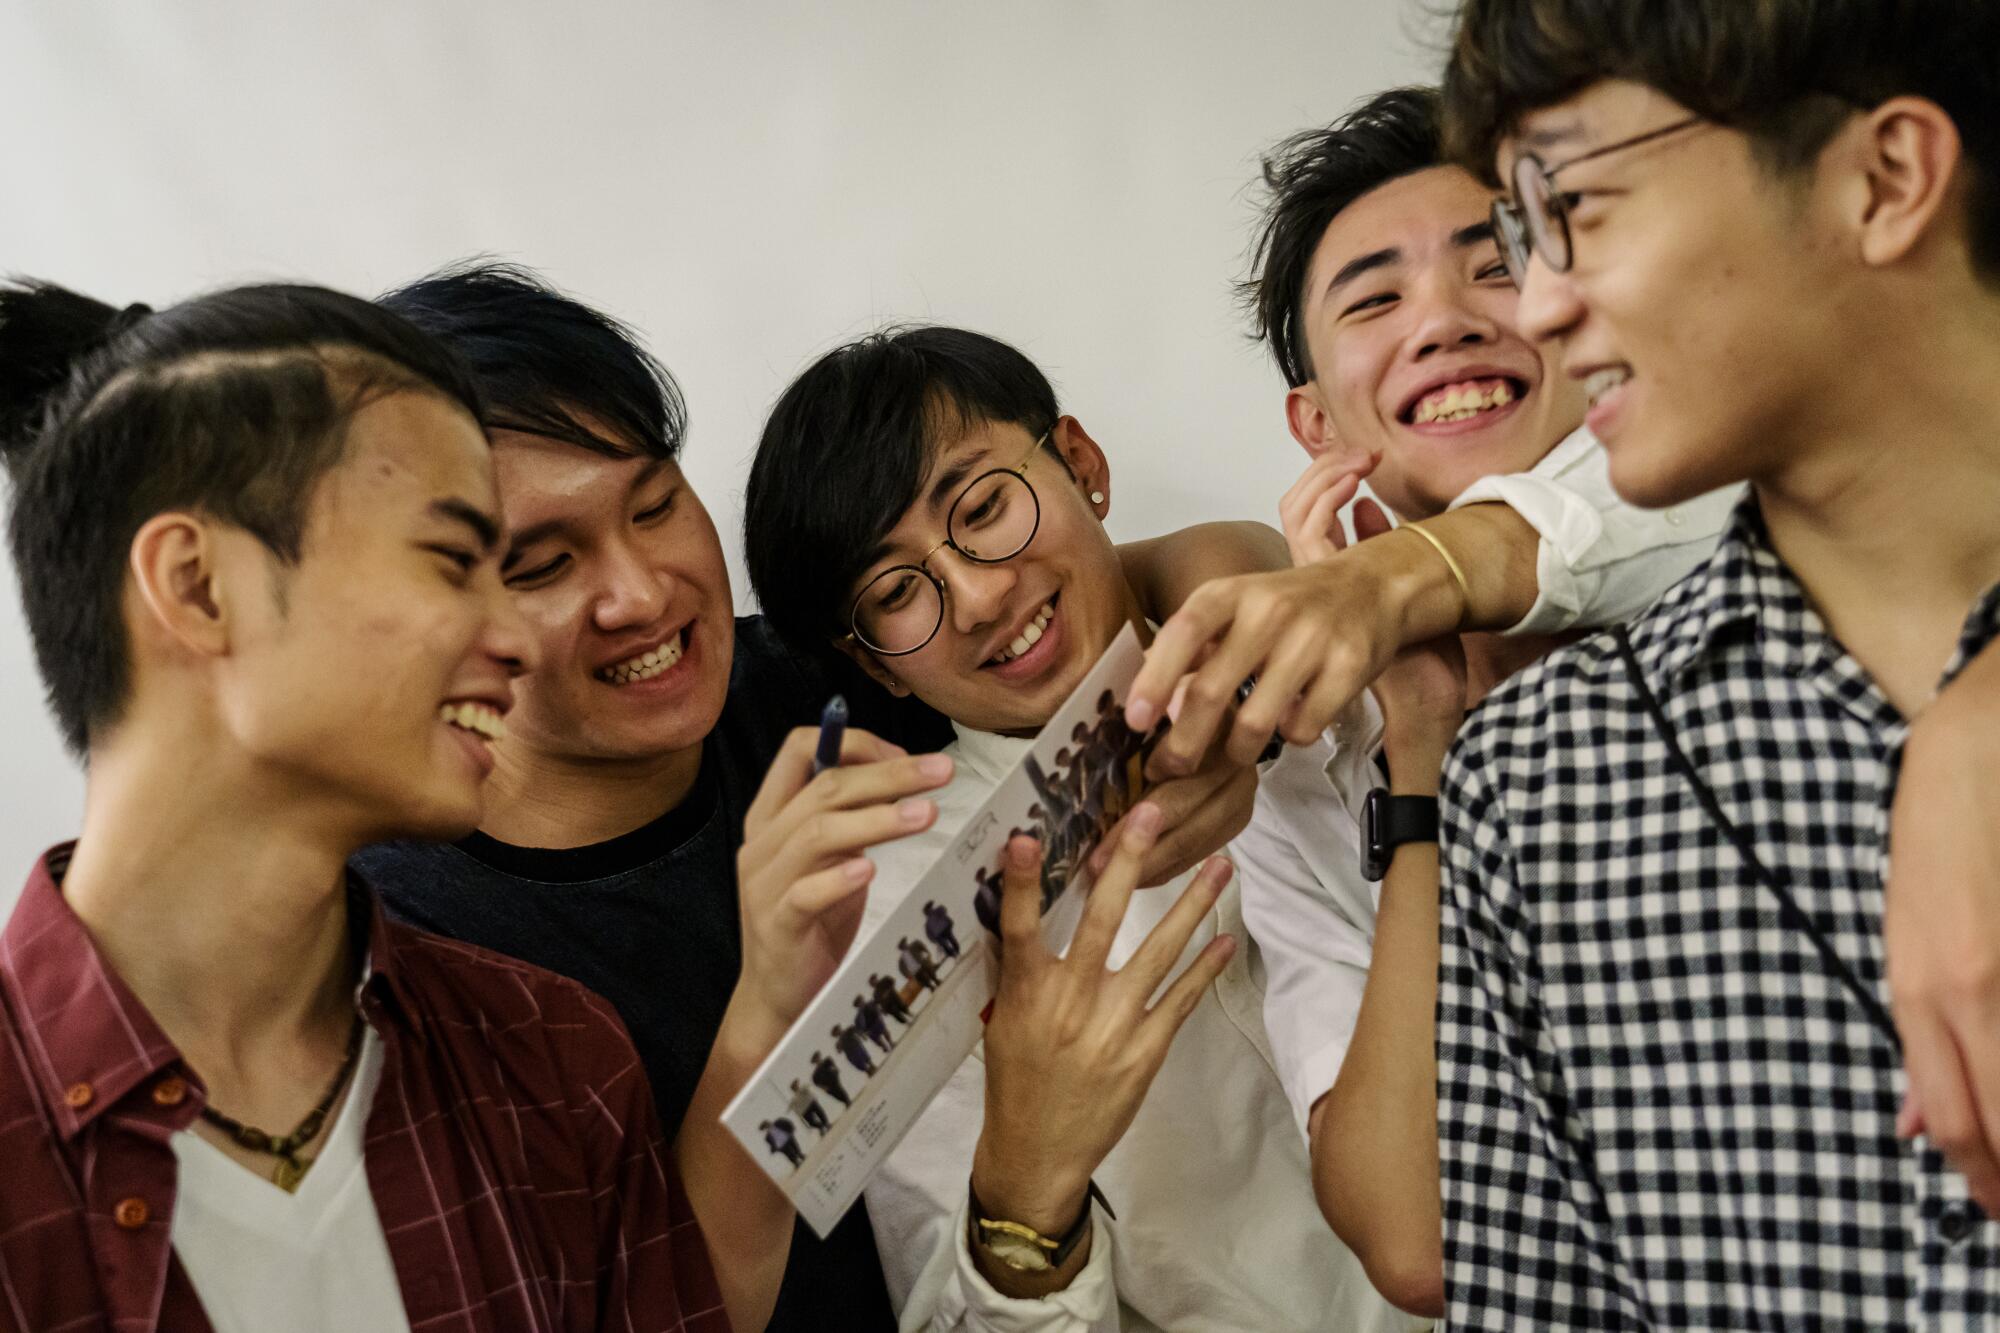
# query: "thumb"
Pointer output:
{"type": "Point", "coordinates": [1369, 520]}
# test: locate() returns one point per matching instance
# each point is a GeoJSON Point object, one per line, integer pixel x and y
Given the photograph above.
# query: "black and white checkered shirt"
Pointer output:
{"type": "Point", "coordinates": [1665, 1103]}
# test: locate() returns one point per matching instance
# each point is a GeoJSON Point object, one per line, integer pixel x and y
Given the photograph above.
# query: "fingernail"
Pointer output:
{"type": "Point", "coordinates": [914, 813]}
{"type": "Point", "coordinates": [1138, 716]}
{"type": "Point", "coordinates": [859, 869]}
{"type": "Point", "coordinates": [935, 766]}
{"type": "Point", "coordinates": [1146, 817]}
{"type": "Point", "coordinates": [1021, 851]}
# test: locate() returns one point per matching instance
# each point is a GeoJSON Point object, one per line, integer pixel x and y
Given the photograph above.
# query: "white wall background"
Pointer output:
{"type": "Point", "coordinates": [747, 182]}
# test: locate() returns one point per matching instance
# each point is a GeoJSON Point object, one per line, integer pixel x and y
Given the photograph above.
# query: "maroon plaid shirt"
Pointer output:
{"type": "Point", "coordinates": [513, 1150]}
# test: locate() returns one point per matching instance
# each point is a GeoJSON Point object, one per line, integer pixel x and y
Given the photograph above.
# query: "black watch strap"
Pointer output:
{"type": "Point", "coordinates": [1387, 822]}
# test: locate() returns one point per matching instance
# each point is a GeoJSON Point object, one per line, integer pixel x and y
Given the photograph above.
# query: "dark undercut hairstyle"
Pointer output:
{"type": "Point", "coordinates": [1788, 73]}
{"type": "Point", "coordinates": [847, 450]}
{"type": "Point", "coordinates": [234, 404]}
{"type": "Point", "coordinates": [1310, 179]}
{"type": "Point", "coordinates": [546, 363]}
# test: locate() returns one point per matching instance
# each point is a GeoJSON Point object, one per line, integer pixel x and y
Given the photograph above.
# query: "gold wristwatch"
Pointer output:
{"type": "Point", "coordinates": [1021, 1247]}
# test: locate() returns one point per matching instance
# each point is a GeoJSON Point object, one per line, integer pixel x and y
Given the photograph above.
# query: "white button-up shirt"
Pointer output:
{"type": "Point", "coordinates": [1217, 1227]}
{"type": "Point", "coordinates": [1312, 914]}
{"type": "Point", "coordinates": [1601, 560]}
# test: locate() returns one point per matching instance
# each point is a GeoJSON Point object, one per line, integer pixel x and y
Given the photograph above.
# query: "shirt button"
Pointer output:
{"type": "Point", "coordinates": [1954, 1224]}
{"type": "Point", "coordinates": [79, 1095]}
{"type": "Point", "coordinates": [170, 1091]}
{"type": "Point", "coordinates": [1672, 516]}
{"type": "Point", "coordinates": [131, 1213]}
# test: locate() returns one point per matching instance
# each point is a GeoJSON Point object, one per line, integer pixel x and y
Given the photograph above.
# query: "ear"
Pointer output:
{"type": "Point", "coordinates": [1310, 425]}
{"type": "Point", "coordinates": [872, 665]}
{"type": "Point", "coordinates": [1086, 463]}
{"type": "Point", "coordinates": [1910, 152]}
{"type": "Point", "coordinates": [174, 561]}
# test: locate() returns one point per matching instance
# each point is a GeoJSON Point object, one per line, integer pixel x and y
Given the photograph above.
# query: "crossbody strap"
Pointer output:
{"type": "Point", "coordinates": [1788, 905]}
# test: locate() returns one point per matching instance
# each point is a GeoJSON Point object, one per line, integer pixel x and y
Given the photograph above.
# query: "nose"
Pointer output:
{"type": "Point", "coordinates": [1446, 321]}
{"type": "Point", "coordinates": [507, 639]}
{"type": "Point", "coordinates": [975, 594]}
{"type": "Point", "coordinates": [632, 591]}
{"type": "Point", "coordinates": [1550, 305]}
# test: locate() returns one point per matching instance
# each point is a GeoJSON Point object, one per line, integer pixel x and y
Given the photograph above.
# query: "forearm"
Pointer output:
{"type": "Point", "coordinates": [1163, 571]}
{"type": "Point", "coordinates": [1374, 1135]}
{"type": "Point", "coordinates": [745, 1218]}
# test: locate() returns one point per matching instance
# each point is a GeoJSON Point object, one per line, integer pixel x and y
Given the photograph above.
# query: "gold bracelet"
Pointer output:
{"type": "Point", "coordinates": [1457, 574]}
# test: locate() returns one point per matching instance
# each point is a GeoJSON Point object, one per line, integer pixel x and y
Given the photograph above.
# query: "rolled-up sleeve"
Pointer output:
{"type": "Point", "coordinates": [1601, 560]}
{"type": "Point", "coordinates": [953, 1296]}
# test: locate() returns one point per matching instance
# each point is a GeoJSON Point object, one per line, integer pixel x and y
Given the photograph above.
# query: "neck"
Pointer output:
{"type": "Point", "coordinates": [1888, 523]}
{"type": "Point", "coordinates": [231, 930]}
{"type": "Point", "coordinates": [555, 801]}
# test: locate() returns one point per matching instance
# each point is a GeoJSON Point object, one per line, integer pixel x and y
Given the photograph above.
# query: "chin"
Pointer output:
{"type": "Point", "coordinates": [1658, 478]}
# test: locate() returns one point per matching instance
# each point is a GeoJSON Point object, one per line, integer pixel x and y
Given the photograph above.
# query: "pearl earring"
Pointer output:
{"type": "Point", "coordinates": [1097, 497]}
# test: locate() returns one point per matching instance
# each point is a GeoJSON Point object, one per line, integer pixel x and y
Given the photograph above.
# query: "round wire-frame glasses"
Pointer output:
{"type": "Point", "coordinates": [993, 519]}
{"type": "Point", "coordinates": [1536, 219]}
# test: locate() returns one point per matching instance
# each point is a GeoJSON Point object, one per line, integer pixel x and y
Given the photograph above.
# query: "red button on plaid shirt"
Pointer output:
{"type": "Point", "coordinates": [513, 1150]}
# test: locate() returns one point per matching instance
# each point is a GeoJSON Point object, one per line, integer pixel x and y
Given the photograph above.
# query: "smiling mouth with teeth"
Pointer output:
{"type": "Point", "coordinates": [1030, 635]}
{"type": "Point", "coordinates": [479, 719]}
{"type": "Point", "coordinates": [648, 664]}
{"type": "Point", "coordinates": [1463, 401]}
{"type": "Point", "coordinates": [1601, 382]}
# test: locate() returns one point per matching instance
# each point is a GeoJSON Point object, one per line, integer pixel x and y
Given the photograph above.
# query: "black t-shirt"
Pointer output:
{"type": "Point", "coordinates": [649, 920]}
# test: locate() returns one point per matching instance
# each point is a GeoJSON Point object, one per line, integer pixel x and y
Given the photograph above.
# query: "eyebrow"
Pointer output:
{"type": "Point", "coordinates": [1477, 234]}
{"type": "Point", "coordinates": [1367, 263]}
{"type": "Point", "coordinates": [522, 538]}
{"type": "Point", "coordinates": [948, 480]}
{"type": "Point", "coordinates": [1553, 136]}
{"type": "Point", "coordinates": [484, 526]}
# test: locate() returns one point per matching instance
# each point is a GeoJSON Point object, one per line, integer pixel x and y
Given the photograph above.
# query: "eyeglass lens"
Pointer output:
{"type": "Point", "coordinates": [1548, 230]}
{"type": "Point", "coordinates": [993, 520]}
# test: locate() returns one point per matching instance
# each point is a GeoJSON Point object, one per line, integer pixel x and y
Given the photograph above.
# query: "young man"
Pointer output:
{"type": "Point", "coordinates": [1403, 367]}
{"type": "Point", "coordinates": [609, 847]}
{"type": "Point", "coordinates": [1388, 310]}
{"type": "Point", "coordinates": [1769, 248]}
{"type": "Point", "coordinates": [257, 539]}
{"type": "Point", "coordinates": [955, 548]}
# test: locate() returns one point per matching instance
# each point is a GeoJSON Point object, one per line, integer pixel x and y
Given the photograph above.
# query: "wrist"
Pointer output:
{"type": "Point", "coordinates": [1427, 599]}
{"type": "Point", "coordinates": [751, 1028]}
{"type": "Point", "coordinates": [1416, 760]}
{"type": "Point", "coordinates": [1040, 1195]}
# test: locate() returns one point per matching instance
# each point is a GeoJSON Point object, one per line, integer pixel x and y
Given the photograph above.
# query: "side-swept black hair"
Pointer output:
{"type": "Point", "coordinates": [847, 449]}
{"type": "Point", "coordinates": [544, 361]}
{"type": "Point", "coordinates": [1310, 178]}
{"type": "Point", "coordinates": [1785, 72]}
{"type": "Point", "coordinates": [234, 404]}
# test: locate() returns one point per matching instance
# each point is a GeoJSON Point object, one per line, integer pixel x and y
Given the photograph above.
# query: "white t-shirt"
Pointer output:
{"type": "Point", "coordinates": [311, 1262]}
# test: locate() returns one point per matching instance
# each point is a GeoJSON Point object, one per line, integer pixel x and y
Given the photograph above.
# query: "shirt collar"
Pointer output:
{"type": "Point", "coordinates": [88, 1039]}
{"type": "Point", "coordinates": [988, 754]}
{"type": "Point", "coordinates": [1745, 590]}
{"type": "Point", "coordinates": [384, 969]}
{"type": "Point", "coordinates": [1746, 593]}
